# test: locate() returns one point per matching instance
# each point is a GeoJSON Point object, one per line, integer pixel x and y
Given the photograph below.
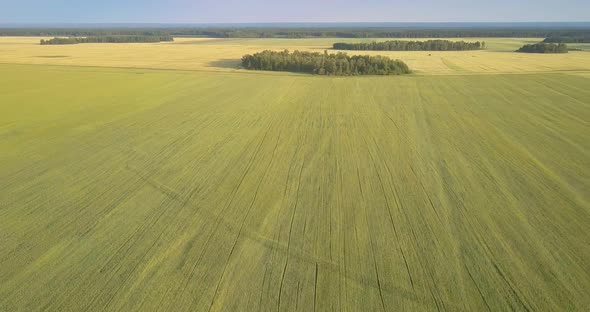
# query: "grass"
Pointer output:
{"type": "Point", "coordinates": [139, 189]}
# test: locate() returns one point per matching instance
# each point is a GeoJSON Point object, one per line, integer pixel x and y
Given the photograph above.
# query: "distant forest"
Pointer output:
{"type": "Point", "coordinates": [544, 48]}
{"type": "Point", "coordinates": [301, 32]}
{"type": "Point", "coordinates": [338, 64]}
{"type": "Point", "coordinates": [400, 45]}
{"type": "Point", "coordinates": [106, 39]}
{"type": "Point", "coordinates": [568, 39]}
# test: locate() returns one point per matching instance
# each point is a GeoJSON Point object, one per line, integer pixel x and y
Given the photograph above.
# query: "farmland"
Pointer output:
{"type": "Point", "coordinates": [161, 177]}
{"type": "Point", "coordinates": [205, 54]}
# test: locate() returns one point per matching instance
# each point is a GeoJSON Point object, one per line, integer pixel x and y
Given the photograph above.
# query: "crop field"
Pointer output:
{"type": "Point", "coordinates": [161, 178]}
{"type": "Point", "coordinates": [204, 54]}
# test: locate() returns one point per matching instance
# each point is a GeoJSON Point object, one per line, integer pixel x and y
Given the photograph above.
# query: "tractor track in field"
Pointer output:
{"type": "Point", "coordinates": [284, 272]}
{"type": "Point", "coordinates": [243, 231]}
{"type": "Point", "coordinates": [241, 226]}
{"type": "Point", "coordinates": [373, 252]}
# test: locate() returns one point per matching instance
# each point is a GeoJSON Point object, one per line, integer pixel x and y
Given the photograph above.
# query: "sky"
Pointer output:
{"type": "Point", "coordinates": [275, 11]}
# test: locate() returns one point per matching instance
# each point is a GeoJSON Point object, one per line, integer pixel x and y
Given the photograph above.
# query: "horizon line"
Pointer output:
{"type": "Point", "coordinates": [299, 24]}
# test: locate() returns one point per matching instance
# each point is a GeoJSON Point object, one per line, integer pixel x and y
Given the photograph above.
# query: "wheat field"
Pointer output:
{"type": "Point", "coordinates": [205, 54]}
{"type": "Point", "coordinates": [216, 189]}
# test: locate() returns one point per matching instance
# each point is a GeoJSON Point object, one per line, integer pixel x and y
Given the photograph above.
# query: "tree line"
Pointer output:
{"type": "Point", "coordinates": [568, 39]}
{"type": "Point", "coordinates": [339, 64]}
{"type": "Point", "coordinates": [106, 39]}
{"type": "Point", "coordinates": [400, 45]}
{"type": "Point", "coordinates": [304, 32]}
{"type": "Point", "coordinates": [544, 48]}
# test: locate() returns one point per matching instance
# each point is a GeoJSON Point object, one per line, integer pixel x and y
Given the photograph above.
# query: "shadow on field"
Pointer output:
{"type": "Point", "coordinates": [226, 63]}
{"type": "Point", "coordinates": [52, 56]}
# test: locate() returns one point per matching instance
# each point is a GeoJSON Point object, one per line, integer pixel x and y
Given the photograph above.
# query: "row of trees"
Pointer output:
{"type": "Point", "coordinates": [306, 31]}
{"type": "Point", "coordinates": [544, 48]}
{"type": "Point", "coordinates": [400, 45]}
{"type": "Point", "coordinates": [568, 39]}
{"type": "Point", "coordinates": [106, 39]}
{"type": "Point", "coordinates": [324, 64]}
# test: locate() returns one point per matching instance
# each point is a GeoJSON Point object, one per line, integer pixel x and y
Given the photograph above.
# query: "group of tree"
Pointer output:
{"type": "Point", "coordinates": [106, 39]}
{"type": "Point", "coordinates": [339, 64]}
{"type": "Point", "coordinates": [401, 45]}
{"type": "Point", "coordinates": [568, 39]}
{"type": "Point", "coordinates": [544, 48]}
{"type": "Point", "coordinates": [384, 31]}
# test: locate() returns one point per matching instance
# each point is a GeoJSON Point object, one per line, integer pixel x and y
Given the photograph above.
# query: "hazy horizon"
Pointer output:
{"type": "Point", "coordinates": [305, 11]}
{"type": "Point", "coordinates": [318, 25]}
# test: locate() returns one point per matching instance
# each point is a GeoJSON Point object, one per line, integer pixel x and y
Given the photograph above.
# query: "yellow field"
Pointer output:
{"type": "Point", "coordinates": [224, 55]}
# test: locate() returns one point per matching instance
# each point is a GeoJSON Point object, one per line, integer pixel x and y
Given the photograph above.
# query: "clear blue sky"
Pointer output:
{"type": "Point", "coordinates": [245, 11]}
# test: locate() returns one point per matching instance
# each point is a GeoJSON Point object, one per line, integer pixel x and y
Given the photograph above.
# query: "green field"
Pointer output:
{"type": "Point", "coordinates": [217, 190]}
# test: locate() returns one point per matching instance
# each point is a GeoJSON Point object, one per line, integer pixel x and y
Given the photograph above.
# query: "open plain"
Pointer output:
{"type": "Point", "coordinates": [162, 177]}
